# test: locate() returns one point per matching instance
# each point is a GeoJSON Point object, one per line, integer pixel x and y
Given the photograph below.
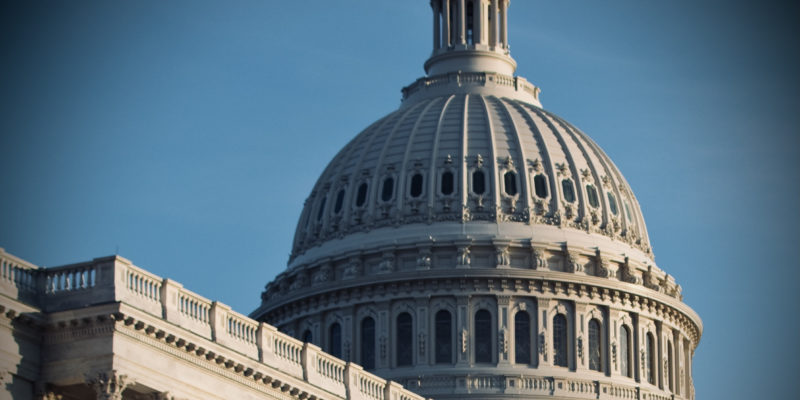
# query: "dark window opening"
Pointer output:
{"type": "Point", "coordinates": [361, 195]}
{"type": "Point", "coordinates": [510, 183]}
{"type": "Point", "coordinates": [404, 348]}
{"type": "Point", "coordinates": [443, 345]}
{"type": "Point", "coordinates": [624, 352]}
{"type": "Point", "coordinates": [595, 357]}
{"type": "Point", "coordinates": [569, 190]}
{"type": "Point", "coordinates": [321, 210]}
{"type": "Point", "coordinates": [522, 338]}
{"type": "Point", "coordinates": [591, 192]}
{"type": "Point", "coordinates": [416, 185]}
{"type": "Point", "coordinates": [478, 182]}
{"type": "Point", "coordinates": [448, 183]}
{"type": "Point", "coordinates": [368, 343]}
{"type": "Point", "coordinates": [560, 340]}
{"type": "Point", "coordinates": [612, 204]}
{"type": "Point", "coordinates": [651, 359]}
{"type": "Point", "coordinates": [335, 340]}
{"type": "Point", "coordinates": [388, 189]}
{"type": "Point", "coordinates": [483, 337]}
{"type": "Point", "coordinates": [337, 207]}
{"type": "Point", "coordinates": [540, 186]}
{"type": "Point", "coordinates": [307, 336]}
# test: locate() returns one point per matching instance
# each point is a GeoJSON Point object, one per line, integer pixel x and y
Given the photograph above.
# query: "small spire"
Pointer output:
{"type": "Point", "coordinates": [470, 36]}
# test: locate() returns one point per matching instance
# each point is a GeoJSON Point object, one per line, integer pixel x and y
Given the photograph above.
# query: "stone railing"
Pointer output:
{"type": "Point", "coordinates": [515, 83]}
{"type": "Point", "coordinates": [115, 279]}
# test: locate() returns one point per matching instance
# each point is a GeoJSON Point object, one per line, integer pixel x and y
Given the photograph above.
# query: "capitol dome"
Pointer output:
{"type": "Point", "coordinates": [473, 244]}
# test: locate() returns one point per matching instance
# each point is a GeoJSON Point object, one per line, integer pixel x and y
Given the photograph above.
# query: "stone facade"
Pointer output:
{"type": "Point", "coordinates": [108, 330]}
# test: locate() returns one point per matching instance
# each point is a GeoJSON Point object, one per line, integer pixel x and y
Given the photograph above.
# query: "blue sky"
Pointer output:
{"type": "Point", "coordinates": [186, 135]}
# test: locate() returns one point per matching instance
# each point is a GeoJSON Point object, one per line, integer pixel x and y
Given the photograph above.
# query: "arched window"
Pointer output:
{"type": "Point", "coordinates": [560, 340]}
{"type": "Point", "coordinates": [388, 189]}
{"type": "Point", "coordinates": [651, 359]}
{"type": "Point", "coordinates": [470, 23]}
{"type": "Point", "coordinates": [591, 192]}
{"type": "Point", "coordinates": [540, 186]}
{"type": "Point", "coordinates": [404, 347]}
{"type": "Point", "coordinates": [510, 183]}
{"type": "Point", "coordinates": [368, 343]}
{"type": "Point", "coordinates": [448, 183]}
{"type": "Point", "coordinates": [625, 361]}
{"type": "Point", "coordinates": [416, 185]}
{"type": "Point", "coordinates": [361, 195]}
{"type": "Point", "coordinates": [569, 190]}
{"type": "Point", "coordinates": [670, 367]}
{"type": "Point", "coordinates": [307, 336]}
{"type": "Point", "coordinates": [522, 338]}
{"type": "Point", "coordinates": [478, 182]}
{"type": "Point", "coordinates": [444, 338]}
{"type": "Point", "coordinates": [612, 204]}
{"type": "Point", "coordinates": [483, 336]}
{"type": "Point", "coordinates": [335, 340]}
{"type": "Point", "coordinates": [337, 207]}
{"type": "Point", "coordinates": [595, 357]}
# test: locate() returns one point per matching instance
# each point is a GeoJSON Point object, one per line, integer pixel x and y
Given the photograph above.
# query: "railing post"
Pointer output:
{"type": "Point", "coordinates": [309, 359]}
{"type": "Point", "coordinates": [265, 340]}
{"type": "Point", "coordinates": [170, 297]}
{"type": "Point", "coordinates": [351, 375]}
{"type": "Point", "coordinates": [110, 275]}
{"type": "Point", "coordinates": [392, 390]}
{"type": "Point", "coordinates": [219, 331]}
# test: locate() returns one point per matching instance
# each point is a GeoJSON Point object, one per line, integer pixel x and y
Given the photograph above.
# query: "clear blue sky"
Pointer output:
{"type": "Point", "coordinates": [187, 134]}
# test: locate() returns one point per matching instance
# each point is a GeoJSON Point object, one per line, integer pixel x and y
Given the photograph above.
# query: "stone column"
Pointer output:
{"type": "Point", "coordinates": [382, 326]}
{"type": "Point", "coordinates": [437, 29]}
{"type": "Point", "coordinates": [463, 318]}
{"type": "Point", "coordinates": [477, 22]}
{"type": "Point", "coordinates": [108, 385]}
{"type": "Point", "coordinates": [447, 24]}
{"type": "Point", "coordinates": [504, 24]}
{"type": "Point", "coordinates": [543, 350]}
{"type": "Point", "coordinates": [493, 24]}
{"type": "Point", "coordinates": [462, 22]}
{"type": "Point", "coordinates": [504, 338]}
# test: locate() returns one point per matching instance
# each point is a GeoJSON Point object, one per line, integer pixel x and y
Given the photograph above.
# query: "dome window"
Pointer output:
{"type": "Point", "coordinates": [510, 183]}
{"type": "Point", "coordinates": [612, 203]}
{"type": "Point", "coordinates": [569, 190]}
{"type": "Point", "coordinates": [483, 337]}
{"type": "Point", "coordinates": [448, 183]}
{"type": "Point", "coordinates": [335, 340]}
{"type": "Point", "coordinates": [651, 359]}
{"type": "Point", "coordinates": [368, 343]}
{"type": "Point", "coordinates": [405, 334]}
{"type": "Point", "coordinates": [388, 189]}
{"type": "Point", "coordinates": [321, 210]}
{"type": "Point", "coordinates": [444, 346]}
{"type": "Point", "coordinates": [591, 192]}
{"type": "Point", "coordinates": [540, 186]}
{"type": "Point", "coordinates": [560, 340]}
{"type": "Point", "coordinates": [625, 352]}
{"type": "Point", "coordinates": [416, 185]}
{"type": "Point", "coordinates": [361, 195]}
{"type": "Point", "coordinates": [595, 359]}
{"type": "Point", "coordinates": [478, 182]}
{"type": "Point", "coordinates": [337, 207]}
{"type": "Point", "coordinates": [522, 337]}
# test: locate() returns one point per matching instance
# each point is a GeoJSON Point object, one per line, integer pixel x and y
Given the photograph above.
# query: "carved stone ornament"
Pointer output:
{"type": "Point", "coordinates": [614, 354]}
{"type": "Point", "coordinates": [386, 265]}
{"type": "Point", "coordinates": [352, 269]}
{"type": "Point", "coordinates": [502, 339]}
{"type": "Point", "coordinates": [464, 340]}
{"type": "Point", "coordinates": [421, 341]}
{"type": "Point", "coordinates": [382, 341]}
{"type": "Point", "coordinates": [48, 395]}
{"type": "Point", "coordinates": [502, 257]}
{"type": "Point", "coordinates": [572, 262]}
{"type": "Point", "coordinates": [543, 345]}
{"type": "Point", "coordinates": [424, 258]}
{"type": "Point", "coordinates": [580, 348]}
{"type": "Point", "coordinates": [324, 274]}
{"type": "Point", "coordinates": [539, 258]}
{"type": "Point", "coordinates": [300, 281]}
{"type": "Point", "coordinates": [108, 385]}
{"type": "Point", "coordinates": [463, 257]}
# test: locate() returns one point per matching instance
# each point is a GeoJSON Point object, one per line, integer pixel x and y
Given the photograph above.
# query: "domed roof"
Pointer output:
{"type": "Point", "coordinates": [469, 166]}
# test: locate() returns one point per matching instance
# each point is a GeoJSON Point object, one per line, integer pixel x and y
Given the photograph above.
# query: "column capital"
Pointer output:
{"type": "Point", "coordinates": [108, 385]}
